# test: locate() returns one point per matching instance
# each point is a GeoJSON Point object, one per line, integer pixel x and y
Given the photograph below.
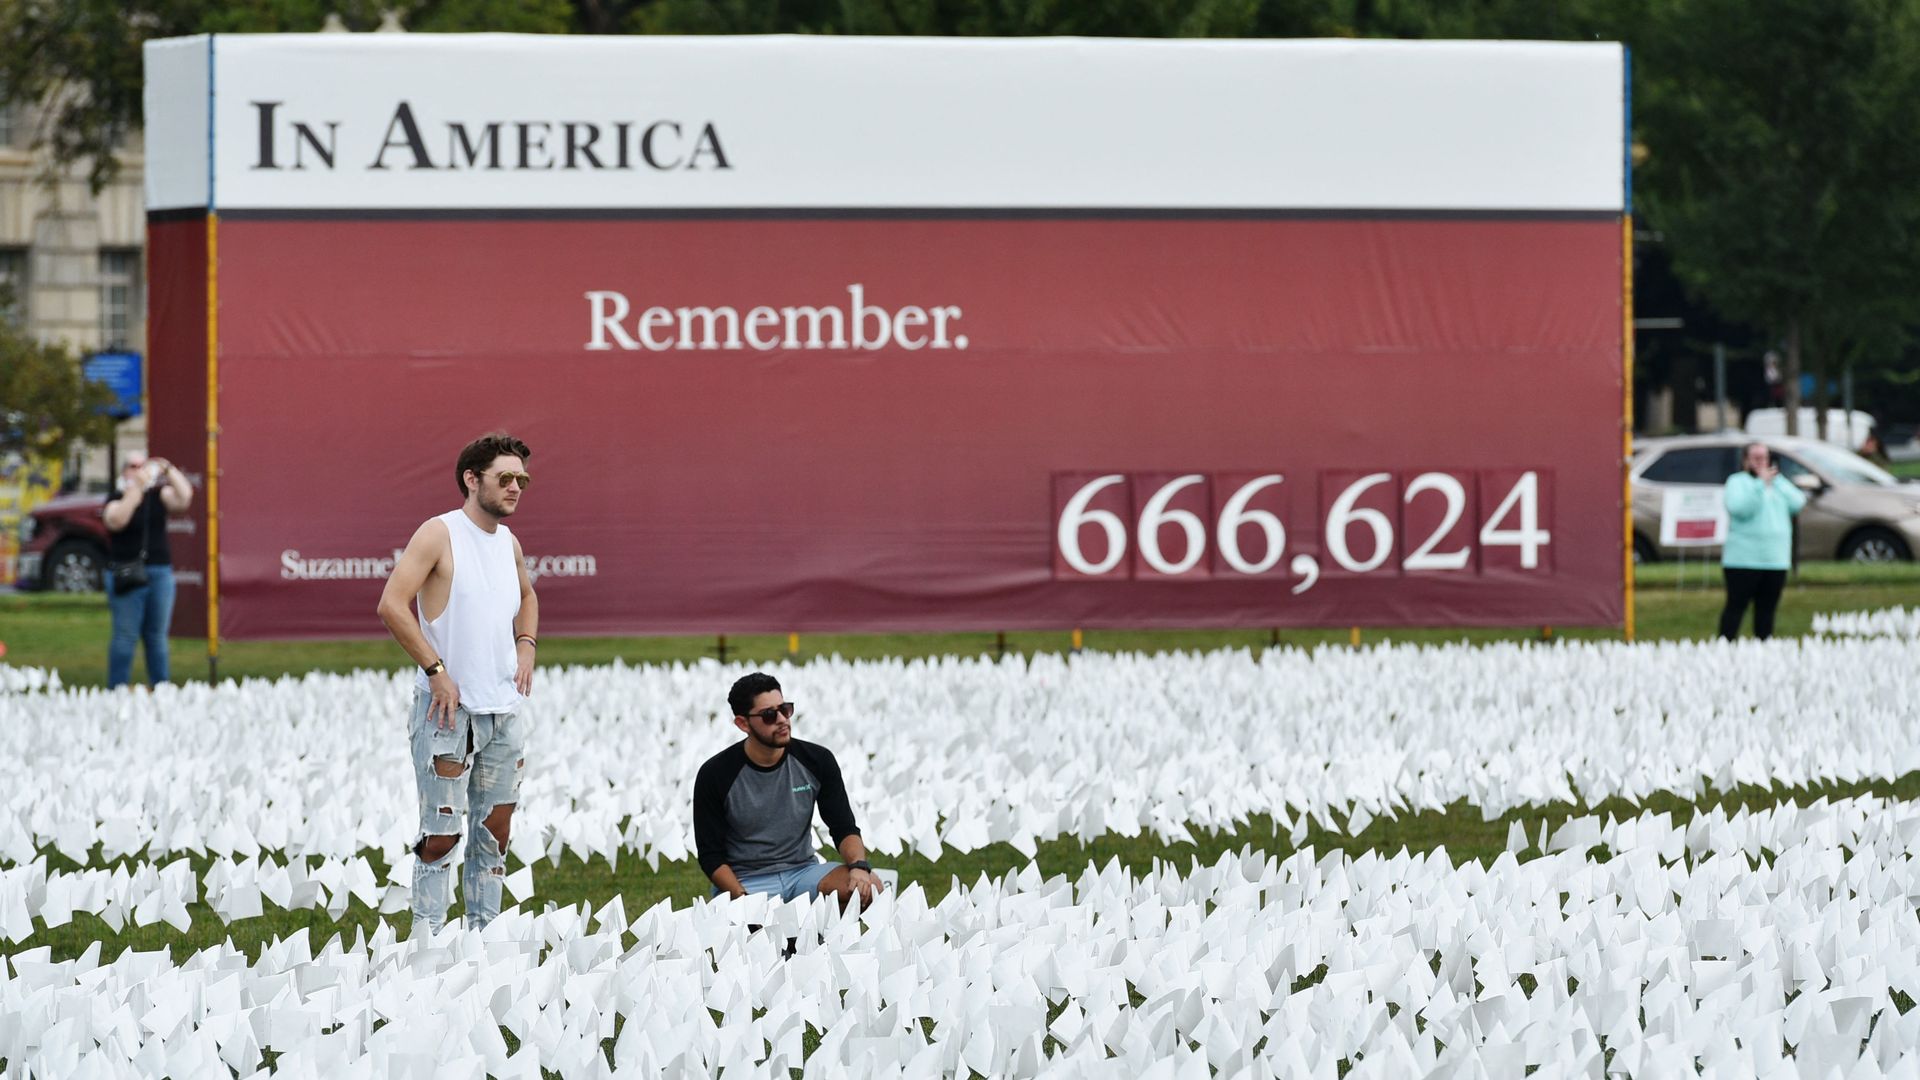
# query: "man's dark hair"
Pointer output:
{"type": "Point", "coordinates": [480, 453]}
{"type": "Point", "coordinates": [748, 687]}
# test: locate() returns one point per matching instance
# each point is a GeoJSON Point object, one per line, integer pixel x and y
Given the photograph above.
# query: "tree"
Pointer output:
{"type": "Point", "coordinates": [955, 18]}
{"type": "Point", "coordinates": [46, 406]}
{"type": "Point", "coordinates": [1538, 20]}
{"type": "Point", "coordinates": [1782, 163]}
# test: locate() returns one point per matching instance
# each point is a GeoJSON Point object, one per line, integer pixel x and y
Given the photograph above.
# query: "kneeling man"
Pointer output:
{"type": "Point", "coordinates": [753, 807]}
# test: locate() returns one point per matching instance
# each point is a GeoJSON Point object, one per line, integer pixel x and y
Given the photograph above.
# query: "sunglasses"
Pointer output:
{"type": "Point", "coordinates": [520, 478]}
{"type": "Point", "coordinates": [767, 715]}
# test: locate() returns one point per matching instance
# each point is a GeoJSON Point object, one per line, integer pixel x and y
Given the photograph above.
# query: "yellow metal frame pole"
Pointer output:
{"type": "Point", "coordinates": [213, 446]}
{"type": "Point", "coordinates": [1626, 415]}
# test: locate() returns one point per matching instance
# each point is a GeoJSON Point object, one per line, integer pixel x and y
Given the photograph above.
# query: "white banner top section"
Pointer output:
{"type": "Point", "coordinates": [430, 122]}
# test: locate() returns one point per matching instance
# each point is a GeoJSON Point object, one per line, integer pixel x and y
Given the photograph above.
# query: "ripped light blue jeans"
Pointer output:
{"type": "Point", "coordinates": [490, 750]}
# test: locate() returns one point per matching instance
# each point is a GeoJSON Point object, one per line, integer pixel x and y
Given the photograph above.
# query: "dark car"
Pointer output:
{"type": "Point", "coordinates": [63, 545]}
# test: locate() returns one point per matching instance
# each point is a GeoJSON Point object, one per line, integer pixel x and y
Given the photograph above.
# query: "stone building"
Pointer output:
{"type": "Point", "coordinates": [76, 260]}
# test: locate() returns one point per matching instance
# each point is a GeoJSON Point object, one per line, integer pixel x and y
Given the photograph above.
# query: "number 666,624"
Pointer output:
{"type": "Point", "coordinates": [1190, 526]}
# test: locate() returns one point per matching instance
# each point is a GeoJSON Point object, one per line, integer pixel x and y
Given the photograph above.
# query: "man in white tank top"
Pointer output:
{"type": "Point", "coordinates": [474, 639]}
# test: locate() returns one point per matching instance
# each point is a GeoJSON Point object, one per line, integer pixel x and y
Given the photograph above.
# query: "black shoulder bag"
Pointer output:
{"type": "Point", "coordinates": [128, 576]}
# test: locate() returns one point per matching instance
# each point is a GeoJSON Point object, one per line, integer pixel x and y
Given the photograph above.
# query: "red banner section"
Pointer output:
{"type": "Point", "coordinates": [177, 397]}
{"type": "Point", "coordinates": [855, 424]}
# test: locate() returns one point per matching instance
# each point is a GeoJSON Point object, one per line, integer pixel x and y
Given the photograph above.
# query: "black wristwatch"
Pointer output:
{"type": "Point", "coordinates": [860, 864]}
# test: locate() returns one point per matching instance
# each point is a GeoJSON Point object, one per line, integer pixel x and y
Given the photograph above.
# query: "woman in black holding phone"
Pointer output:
{"type": "Point", "coordinates": [139, 574]}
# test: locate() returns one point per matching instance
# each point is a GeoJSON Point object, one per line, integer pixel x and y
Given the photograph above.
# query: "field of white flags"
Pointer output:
{"type": "Point", "coordinates": [1776, 940]}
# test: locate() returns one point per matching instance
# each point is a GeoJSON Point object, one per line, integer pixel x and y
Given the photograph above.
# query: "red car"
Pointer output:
{"type": "Point", "coordinates": [63, 545]}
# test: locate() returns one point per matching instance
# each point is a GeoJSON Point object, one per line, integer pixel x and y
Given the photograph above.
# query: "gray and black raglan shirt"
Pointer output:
{"type": "Point", "coordinates": [760, 820]}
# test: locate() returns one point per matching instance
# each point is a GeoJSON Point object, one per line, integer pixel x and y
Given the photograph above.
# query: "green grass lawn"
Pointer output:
{"type": "Point", "coordinates": [1673, 601]}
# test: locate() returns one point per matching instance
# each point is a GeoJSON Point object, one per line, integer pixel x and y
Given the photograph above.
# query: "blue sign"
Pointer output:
{"type": "Point", "coordinates": [120, 373]}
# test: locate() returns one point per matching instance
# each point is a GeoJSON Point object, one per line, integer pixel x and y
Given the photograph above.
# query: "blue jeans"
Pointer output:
{"type": "Point", "coordinates": [140, 615]}
{"type": "Point", "coordinates": [789, 884]}
{"type": "Point", "coordinates": [489, 750]}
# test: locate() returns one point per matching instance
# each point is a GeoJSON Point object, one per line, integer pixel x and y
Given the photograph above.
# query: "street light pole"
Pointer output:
{"type": "Point", "coordinates": [1720, 381]}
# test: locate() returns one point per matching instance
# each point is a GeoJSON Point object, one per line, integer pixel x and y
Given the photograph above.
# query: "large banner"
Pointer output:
{"type": "Point", "coordinates": [901, 335]}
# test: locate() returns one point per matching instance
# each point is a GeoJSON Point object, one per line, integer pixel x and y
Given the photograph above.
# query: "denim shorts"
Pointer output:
{"type": "Point", "coordinates": [788, 884]}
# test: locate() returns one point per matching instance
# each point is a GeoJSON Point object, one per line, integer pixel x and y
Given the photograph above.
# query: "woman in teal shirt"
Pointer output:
{"type": "Point", "coordinates": [1761, 505]}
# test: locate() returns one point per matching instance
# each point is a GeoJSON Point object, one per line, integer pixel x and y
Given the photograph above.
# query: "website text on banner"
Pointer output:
{"type": "Point", "coordinates": [1352, 355]}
